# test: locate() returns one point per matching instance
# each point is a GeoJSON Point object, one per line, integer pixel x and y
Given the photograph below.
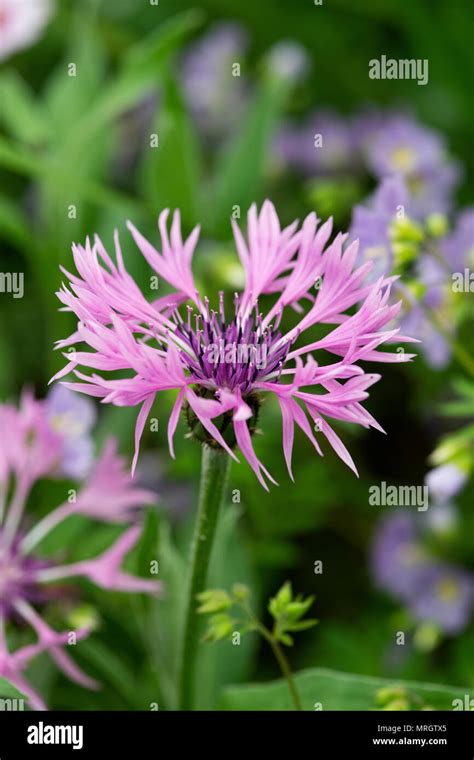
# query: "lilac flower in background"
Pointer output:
{"type": "Point", "coordinates": [288, 60]}
{"type": "Point", "coordinates": [371, 223]}
{"type": "Point", "coordinates": [376, 224]}
{"type": "Point", "coordinates": [403, 146]}
{"type": "Point", "coordinates": [216, 98]}
{"type": "Point", "coordinates": [435, 347]}
{"type": "Point", "coordinates": [381, 144]}
{"type": "Point", "coordinates": [73, 417]}
{"type": "Point", "coordinates": [322, 144]}
{"type": "Point", "coordinates": [458, 246]}
{"type": "Point", "coordinates": [29, 451]}
{"type": "Point", "coordinates": [220, 365]}
{"type": "Point", "coordinates": [432, 591]}
{"type": "Point", "coordinates": [444, 482]}
{"type": "Point", "coordinates": [366, 125]}
{"type": "Point", "coordinates": [397, 560]}
{"type": "Point", "coordinates": [434, 271]}
{"type": "Point", "coordinates": [456, 253]}
{"type": "Point", "coordinates": [442, 519]}
{"type": "Point", "coordinates": [21, 24]}
{"type": "Point", "coordinates": [445, 598]}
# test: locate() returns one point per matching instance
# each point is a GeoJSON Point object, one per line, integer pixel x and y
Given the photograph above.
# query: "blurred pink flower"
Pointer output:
{"type": "Point", "coordinates": [220, 366]}
{"type": "Point", "coordinates": [29, 450]}
{"type": "Point", "coordinates": [21, 23]}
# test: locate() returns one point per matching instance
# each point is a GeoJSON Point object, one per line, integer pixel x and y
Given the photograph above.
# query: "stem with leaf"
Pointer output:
{"type": "Point", "coordinates": [279, 655]}
{"type": "Point", "coordinates": [214, 474]}
{"type": "Point", "coordinates": [286, 609]}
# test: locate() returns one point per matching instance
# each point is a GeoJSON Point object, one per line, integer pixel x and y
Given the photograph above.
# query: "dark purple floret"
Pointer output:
{"type": "Point", "coordinates": [231, 354]}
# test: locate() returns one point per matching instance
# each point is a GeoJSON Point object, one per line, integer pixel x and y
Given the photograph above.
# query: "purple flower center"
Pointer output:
{"type": "Point", "coordinates": [235, 354]}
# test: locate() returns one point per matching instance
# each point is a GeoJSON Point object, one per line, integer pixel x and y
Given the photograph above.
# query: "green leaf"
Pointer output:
{"type": "Point", "coordinates": [295, 610]}
{"type": "Point", "coordinates": [302, 625]}
{"type": "Point", "coordinates": [68, 98]}
{"type": "Point", "coordinates": [239, 173]}
{"type": "Point", "coordinates": [8, 691]}
{"type": "Point", "coordinates": [171, 172]}
{"type": "Point", "coordinates": [220, 627]}
{"type": "Point", "coordinates": [23, 161]}
{"type": "Point", "coordinates": [463, 407]}
{"type": "Point", "coordinates": [331, 690]}
{"type": "Point", "coordinates": [14, 227]}
{"type": "Point", "coordinates": [223, 663]}
{"type": "Point", "coordinates": [214, 600]}
{"type": "Point", "coordinates": [141, 70]}
{"type": "Point", "coordinates": [278, 603]}
{"type": "Point", "coordinates": [111, 667]}
{"type": "Point", "coordinates": [21, 114]}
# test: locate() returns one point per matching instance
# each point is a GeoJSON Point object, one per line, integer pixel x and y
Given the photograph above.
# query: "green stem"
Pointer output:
{"type": "Point", "coordinates": [278, 652]}
{"type": "Point", "coordinates": [286, 670]}
{"type": "Point", "coordinates": [214, 473]}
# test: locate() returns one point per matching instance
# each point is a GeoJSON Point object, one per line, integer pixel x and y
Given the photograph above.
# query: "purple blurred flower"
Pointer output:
{"type": "Point", "coordinates": [458, 246]}
{"type": "Point", "coordinates": [371, 223]}
{"type": "Point", "coordinates": [334, 152]}
{"type": "Point", "coordinates": [31, 454]}
{"type": "Point", "coordinates": [435, 273]}
{"type": "Point", "coordinates": [215, 97]}
{"type": "Point", "coordinates": [403, 146]}
{"type": "Point", "coordinates": [445, 482]}
{"type": "Point", "coordinates": [435, 347]}
{"type": "Point", "coordinates": [288, 60]}
{"type": "Point", "coordinates": [432, 591]}
{"type": "Point", "coordinates": [445, 597]}
{"type": "Point", "coordinates": [435, 276]}
{"type": "Point", "coordinates": [73, 417]}
{"type": "Point", "coordinates": [397, 560]}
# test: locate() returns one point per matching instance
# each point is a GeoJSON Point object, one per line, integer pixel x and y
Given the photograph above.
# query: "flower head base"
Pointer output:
{"type": "Point", "coordinates": [221, 367]}
{"type": "Point", "coordinates": [109, 495]}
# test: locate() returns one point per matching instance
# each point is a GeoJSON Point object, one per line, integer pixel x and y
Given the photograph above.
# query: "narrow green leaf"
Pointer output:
{"type": "Point", "coordinates": [239, 174]}
{"type": "Point", "coordinates": [21, 113]}
{"type": "Point", "coordinates": [171, 171]}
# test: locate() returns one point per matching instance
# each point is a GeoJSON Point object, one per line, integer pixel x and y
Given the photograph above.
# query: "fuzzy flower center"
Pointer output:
{"type": "Point", "coordinates": [448, 590]}
{"type": "Point", "coordinates": [230, 354]}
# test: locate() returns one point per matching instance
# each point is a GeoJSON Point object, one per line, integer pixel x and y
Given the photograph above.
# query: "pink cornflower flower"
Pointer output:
{"type": "Point", "coordinates": [220, 365]}
{"type": "Point", "coordinates": [30, 449]}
